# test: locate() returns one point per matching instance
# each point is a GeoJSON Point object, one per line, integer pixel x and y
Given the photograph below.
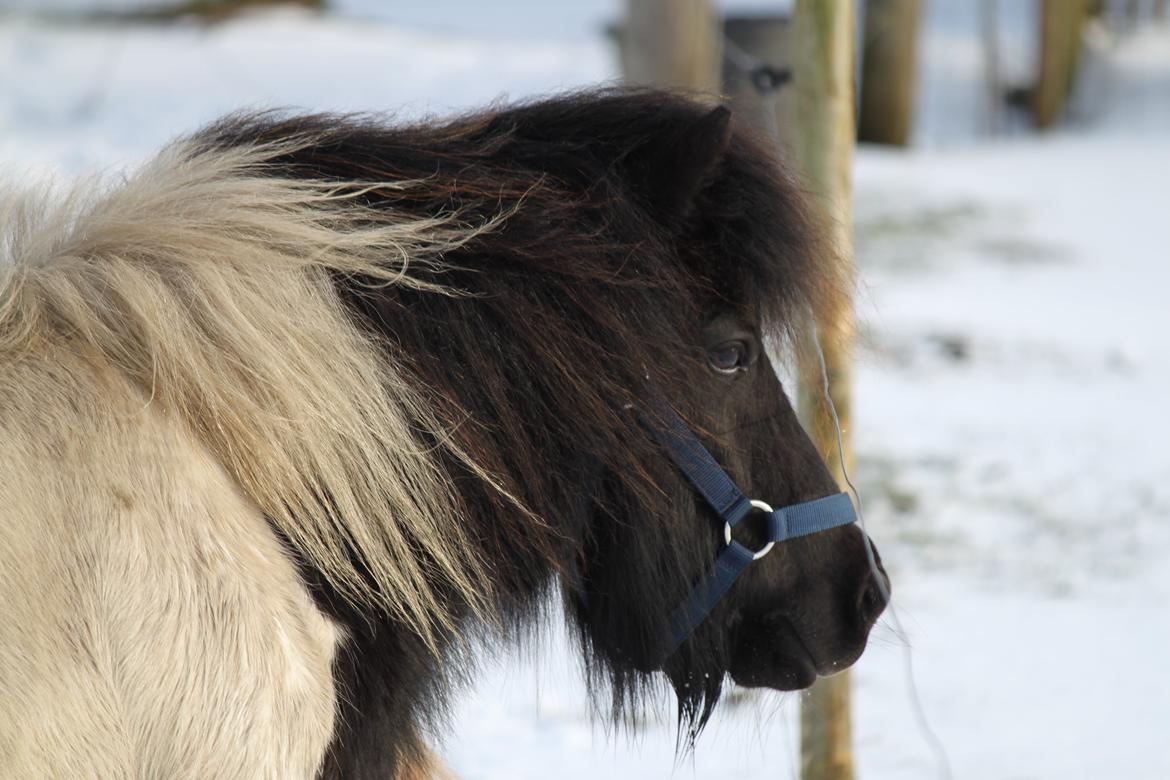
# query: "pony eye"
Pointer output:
{"type": "Point", "coordinates": [729, 357]}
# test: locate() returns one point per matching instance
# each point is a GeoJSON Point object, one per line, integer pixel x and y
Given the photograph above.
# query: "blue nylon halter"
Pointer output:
{"type": "Point", "coordinates": [732, 506]}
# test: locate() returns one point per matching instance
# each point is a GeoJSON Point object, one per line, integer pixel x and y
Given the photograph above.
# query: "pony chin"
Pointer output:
{"type": "Point", "coordinates": [769, 653]}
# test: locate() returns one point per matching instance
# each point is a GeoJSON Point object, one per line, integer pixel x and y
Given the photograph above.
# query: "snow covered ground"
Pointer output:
{"type": "Point", "coordinates": [1011, 419]}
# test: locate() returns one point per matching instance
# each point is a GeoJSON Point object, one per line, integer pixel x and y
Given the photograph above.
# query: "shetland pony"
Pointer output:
{"type": "Point", "coordinates": [307, 408]}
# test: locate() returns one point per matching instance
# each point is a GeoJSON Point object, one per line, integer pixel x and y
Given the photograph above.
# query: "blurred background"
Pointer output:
{"type": "Point", "coordinates": [1008, 207]}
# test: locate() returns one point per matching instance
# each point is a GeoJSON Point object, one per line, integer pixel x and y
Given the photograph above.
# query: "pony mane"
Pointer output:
{"type": "Point", "coordinates": [210, 283]}
{"type": "Point", "coordinates": [387, 334]}
{"type": "Point", "coordinates": [621, 236]}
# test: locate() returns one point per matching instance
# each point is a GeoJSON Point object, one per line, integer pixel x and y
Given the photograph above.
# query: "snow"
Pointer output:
{"type": "Point", "coordinates": [1020, 487]}
{"type": "Point", "coordinates": [1012, 376]}
{"type": "Point", "coordinates": [116, 93]}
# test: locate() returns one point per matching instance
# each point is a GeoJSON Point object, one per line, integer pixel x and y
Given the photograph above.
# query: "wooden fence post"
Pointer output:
{"type": "Point", "coordinates": [889, 65]}
{"type": "Point", "coordinates": [671, 43]}
{"type": "Point", "coordinates": [822, 140]}
{"type": "Point", "coordinates": [1062, 24]}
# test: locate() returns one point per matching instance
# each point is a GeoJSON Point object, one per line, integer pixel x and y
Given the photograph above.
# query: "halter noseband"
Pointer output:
{"type": "Point", "coordinates": [732, 506]}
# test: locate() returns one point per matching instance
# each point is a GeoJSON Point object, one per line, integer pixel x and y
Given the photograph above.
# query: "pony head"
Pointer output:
{"type": "Point", "coordinates": [642, 246]}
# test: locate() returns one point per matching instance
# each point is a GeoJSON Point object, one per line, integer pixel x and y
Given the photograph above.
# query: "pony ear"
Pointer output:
{"type": "Point", "coordinates": [673, 167]}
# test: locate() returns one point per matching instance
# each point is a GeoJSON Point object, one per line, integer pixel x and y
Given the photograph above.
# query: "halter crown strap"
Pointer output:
{"type": "Point", "coordinates": [732, 506]}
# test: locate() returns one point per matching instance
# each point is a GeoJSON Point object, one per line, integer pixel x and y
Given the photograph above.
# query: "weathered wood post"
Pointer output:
{"type": "Point", "coordinates": [1062, 25]}
{"type": "Point", "coordinates": [889, 65]}
{"type": "Point", "coordinates": [822, 140]}
{"type": "Point", "coordinates": [671, 43]}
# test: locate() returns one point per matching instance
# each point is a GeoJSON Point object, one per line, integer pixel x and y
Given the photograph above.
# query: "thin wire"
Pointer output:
{"type": "Point", "coordinates": [929, 736]}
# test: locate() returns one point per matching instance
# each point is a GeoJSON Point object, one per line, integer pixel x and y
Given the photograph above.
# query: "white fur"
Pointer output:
{"type": "Point", "coordinates": [176, 374]}
{"type": "Point", "coordinates": [152, 625]}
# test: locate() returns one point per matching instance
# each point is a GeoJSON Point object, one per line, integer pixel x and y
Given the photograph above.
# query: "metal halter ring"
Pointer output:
{"type": "Point", "coordinates": [767, 548]}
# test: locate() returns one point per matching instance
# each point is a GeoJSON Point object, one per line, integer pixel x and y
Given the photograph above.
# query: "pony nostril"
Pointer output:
{"type": "Point", "coordinates": [873, 598]}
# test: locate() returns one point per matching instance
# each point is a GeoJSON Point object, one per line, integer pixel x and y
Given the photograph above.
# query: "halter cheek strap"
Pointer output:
{"type": "Point", "coordinates": [732, 506]}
